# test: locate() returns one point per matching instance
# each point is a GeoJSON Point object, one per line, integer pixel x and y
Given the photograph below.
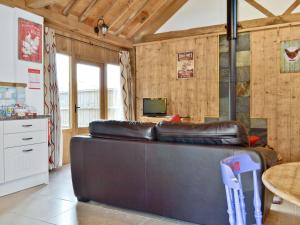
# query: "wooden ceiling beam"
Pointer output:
{"type": "Point", "coordinates": [292, 7]}
{"type": "Point", "coordinates": [127, 14]}
{"type": "Point", "coordinates": [249, 25]}
{"type": "Point", "coordinates": [260, 8]}
{"type": "Point", "coordinates": [70, 24]}
{"type": "Point", "coordinates": [86, 12]}
{"type": "Point", "coordinates": [105, 11]}
{"type": "Point", "coordinates": [158, 19]}
{"type": "Point", "coordinates": [158, 7]}
{"type": "Point", "coordinates": [131, 17]}
{"type": "Point", "coordinates": [35, 4]}
{"type": "Point", "coordinates": [68, 7]}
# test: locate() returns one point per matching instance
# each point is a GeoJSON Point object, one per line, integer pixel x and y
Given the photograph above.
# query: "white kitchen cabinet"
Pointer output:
{"type": "Point", "coordinates": [23, 139]}
{"type": "Point", "coordinates": [23, 154]}
{"type": "Point", "coordinates": [7, 44]}
{"type": "Point", "coordinates": [1, 154]}
{"type": "Point", "coordinates": [24, 161]}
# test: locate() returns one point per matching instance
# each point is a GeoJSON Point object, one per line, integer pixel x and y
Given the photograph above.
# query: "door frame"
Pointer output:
{"type": "Point", "coordinates": [102, 88]}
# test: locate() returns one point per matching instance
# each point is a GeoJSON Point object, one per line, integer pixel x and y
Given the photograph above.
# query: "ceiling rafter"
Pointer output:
{"type": "Point", "coordinates": [260, 8]}
{"type": "Point", "coordinates": [35, 4]}
{"type": "Point", "coordinates": [70, 24]}
{"type": "Point", "coordinates": [132, 31]}
{"type": "Point", "coordinates": [131, 18]}
{"type": "Point", "coordinates": [158, 19]}
{"type": "Point", "coordinates": [127, 14]}
{"type": "Point", "coordinates": [68, 7]}
{"type": "Point", "coordinates": [86, 12]}
{"type": "Point", "coordinates": [292, 7]}
{"type": "Point", "coordinates": [105, 11]}
{"type": "Point", "coordinates": [248, 25]}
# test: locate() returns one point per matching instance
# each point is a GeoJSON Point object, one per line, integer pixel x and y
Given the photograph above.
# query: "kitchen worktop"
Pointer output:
{"type": "Point", "coordinates": [24, 117]}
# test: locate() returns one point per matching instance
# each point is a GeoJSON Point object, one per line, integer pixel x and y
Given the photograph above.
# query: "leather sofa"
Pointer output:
{"type": "Point", "coordinates": [166, 169]}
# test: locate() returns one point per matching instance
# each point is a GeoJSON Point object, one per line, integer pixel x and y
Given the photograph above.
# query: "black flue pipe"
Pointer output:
{"type": "Point", "coordinates": [232, 38]}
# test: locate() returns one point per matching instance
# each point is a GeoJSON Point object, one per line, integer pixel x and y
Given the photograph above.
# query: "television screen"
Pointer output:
{"type": "Point", "coordinates": [154, 106]}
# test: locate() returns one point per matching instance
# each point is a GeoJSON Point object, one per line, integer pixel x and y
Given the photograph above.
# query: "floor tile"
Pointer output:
{"type": "Point", "coordinates": [56, 204]}
{"type": "Point", "coordinates": [14, 219]}
{"type": "Point", "coordinates": [88, 214]}
{"type": "Point", "coordinates": [42, 207]}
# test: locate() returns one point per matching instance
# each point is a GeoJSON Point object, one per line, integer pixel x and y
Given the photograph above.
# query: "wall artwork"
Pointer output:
{"type": "Point", "coordinates": [185, 65]}
{"type": "Point", "coordinates": [30, 41]}
{"type": "Point", "coordinates": [34, 79]}
{"type": "Point", "coordinates": [289, 56]}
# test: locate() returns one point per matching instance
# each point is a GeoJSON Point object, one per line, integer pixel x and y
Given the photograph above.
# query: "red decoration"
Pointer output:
{"type": "Point", "coordinates": [30, 41]}
{"type": "Point", "coordinates": [253, 139]}
{"type": "Point", "coordinates": [176, 119]}
{"type": "Point", "coordinates": [236, 166]}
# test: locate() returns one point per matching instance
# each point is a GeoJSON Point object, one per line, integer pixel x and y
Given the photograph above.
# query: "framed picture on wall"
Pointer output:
{"type": "Point", "coordinates": [185, 65]}
{"type": "Point", "coordinates": [289, 56]}
{"type": "Point", "coordinates": [30, 41]}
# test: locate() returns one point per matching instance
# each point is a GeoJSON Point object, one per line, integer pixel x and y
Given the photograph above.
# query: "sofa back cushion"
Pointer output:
{"type": "Point", "coordinates": [217, 133]}
{"type": "Point", "coordinates": [122, 130]}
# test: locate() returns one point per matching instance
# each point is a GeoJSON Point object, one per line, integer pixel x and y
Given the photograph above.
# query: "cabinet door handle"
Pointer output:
{"type": "Point", "coordinates": [26, 139]}
{"type": "Point", "coordinates": [27, 125]}
{"type": "Point", "coordinates": [27, 150]}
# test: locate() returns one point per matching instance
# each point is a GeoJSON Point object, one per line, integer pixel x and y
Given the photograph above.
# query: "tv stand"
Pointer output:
{"type": "Point", "coordinates": [154, 119]}
{"type": "Point", "coordinates": [157, 119]}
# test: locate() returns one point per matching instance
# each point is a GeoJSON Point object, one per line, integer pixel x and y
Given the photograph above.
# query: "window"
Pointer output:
{"type": "Point", "coordinates": [114, 98]}
{"type": "Point", "coordinates": [63, 79]}
{"type": "Point", "coordinates": [88, 94]}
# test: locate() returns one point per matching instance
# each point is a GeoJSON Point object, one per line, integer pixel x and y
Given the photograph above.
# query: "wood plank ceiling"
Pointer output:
{"type": "Point", "coordinates": [130, 21]}
{"type": "Point", "coordinates": [126, 18]}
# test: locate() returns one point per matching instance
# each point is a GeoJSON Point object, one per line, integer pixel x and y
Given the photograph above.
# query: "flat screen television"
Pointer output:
{"type": "Point", "coordinates": [154, 106]}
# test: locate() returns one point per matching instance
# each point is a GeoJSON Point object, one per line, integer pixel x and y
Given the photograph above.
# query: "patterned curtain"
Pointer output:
{"type": "Point", "coordinates": [127, 86]}
{"type": "Point", "coordinates": [51, 99]}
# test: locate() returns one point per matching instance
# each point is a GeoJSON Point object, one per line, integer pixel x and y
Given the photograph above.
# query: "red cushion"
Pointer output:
{"type": "Point", "coordinates": [175, 119]}
{"type": "Point", "coordinates": [253, 139]}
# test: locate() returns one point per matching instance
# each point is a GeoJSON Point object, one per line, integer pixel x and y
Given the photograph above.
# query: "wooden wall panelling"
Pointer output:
{"type": "Point", "coordinates": [275, 95]}
{"type": "Point", "coordinates": [156, 77]}
{"type": "Point", "coordinates": [293, 80]}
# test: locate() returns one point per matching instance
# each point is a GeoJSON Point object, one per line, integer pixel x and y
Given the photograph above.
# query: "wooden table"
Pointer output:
{"type": "Point", "coordinates": [284, 181]}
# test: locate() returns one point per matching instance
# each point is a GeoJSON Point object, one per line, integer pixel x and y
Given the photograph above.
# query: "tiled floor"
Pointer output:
{"type": "Point", "coordinates": [56, 204]}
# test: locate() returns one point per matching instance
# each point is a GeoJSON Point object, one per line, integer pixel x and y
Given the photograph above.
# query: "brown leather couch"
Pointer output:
{"type": "Point", "coordinates": [167, 169]}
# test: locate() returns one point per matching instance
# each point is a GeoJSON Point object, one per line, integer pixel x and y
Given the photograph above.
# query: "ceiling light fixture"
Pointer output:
{"type": "Point", "coordinates": [101, 27]}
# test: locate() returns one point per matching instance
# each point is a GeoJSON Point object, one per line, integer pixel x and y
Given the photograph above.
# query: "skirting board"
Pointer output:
{"type": "Point", "coordinates": [24, 183]}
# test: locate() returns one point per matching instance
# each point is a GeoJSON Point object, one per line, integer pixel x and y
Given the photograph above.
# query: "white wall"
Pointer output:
{"type": "Point", "coordinates": [201, 13]}
{"type": "Point", "coordinates": [34, 98]}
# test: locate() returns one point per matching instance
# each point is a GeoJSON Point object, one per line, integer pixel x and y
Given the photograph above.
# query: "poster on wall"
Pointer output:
{"type": "Point", "coordinates": [289, 56]}
{"type": "Point", "coordinates": [30, 41]}
{"type": "Point", "coordinates": [34, 79]}
{"type": "Point", "coordinates": [185, 65]}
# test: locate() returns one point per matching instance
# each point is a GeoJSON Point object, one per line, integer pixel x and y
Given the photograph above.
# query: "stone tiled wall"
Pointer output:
{"type": "Point", "coordinates": [243, 78]}
{"type": "Point", "coordinates": [255, 126]}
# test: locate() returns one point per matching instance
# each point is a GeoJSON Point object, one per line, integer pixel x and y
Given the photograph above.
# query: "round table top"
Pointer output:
{"type": "Point", "coordinates": [284, 181]}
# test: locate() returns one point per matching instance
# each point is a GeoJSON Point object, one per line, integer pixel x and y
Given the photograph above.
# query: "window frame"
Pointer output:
{"type": "Point", "coordinates": [106, 76]}
{"type": "Point", "coordinates": [102, 92]}
{"type": "Point", "coordinates": [70, 89]}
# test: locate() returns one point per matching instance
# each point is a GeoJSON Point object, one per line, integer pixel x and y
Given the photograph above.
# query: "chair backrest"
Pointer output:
{"type": "Point", "coordinates": [232, 168]}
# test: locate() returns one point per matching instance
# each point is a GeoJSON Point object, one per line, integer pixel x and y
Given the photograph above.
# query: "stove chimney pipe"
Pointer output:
{"type": "Point", "coordinates": [232, 38]}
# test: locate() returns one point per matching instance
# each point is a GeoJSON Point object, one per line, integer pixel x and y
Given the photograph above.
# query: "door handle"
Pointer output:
{"type": "Point", "coordinates": [27, 150]}
{"type": "Point", "coordinates": [29, 125]}
{"type": "Point", "coordinates": [26, 139]}
{"type": "Point", "coordinates": [76, 107]}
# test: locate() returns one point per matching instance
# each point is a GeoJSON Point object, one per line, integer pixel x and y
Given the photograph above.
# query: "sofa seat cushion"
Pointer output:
{"type": "Point", "coordinates": [216, 133]}
{"type": "Point", "coordinates": [122, 130]}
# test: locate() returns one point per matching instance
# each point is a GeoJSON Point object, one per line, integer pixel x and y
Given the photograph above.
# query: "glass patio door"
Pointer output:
{"type": "Point", "coordinates": [89, 94]}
